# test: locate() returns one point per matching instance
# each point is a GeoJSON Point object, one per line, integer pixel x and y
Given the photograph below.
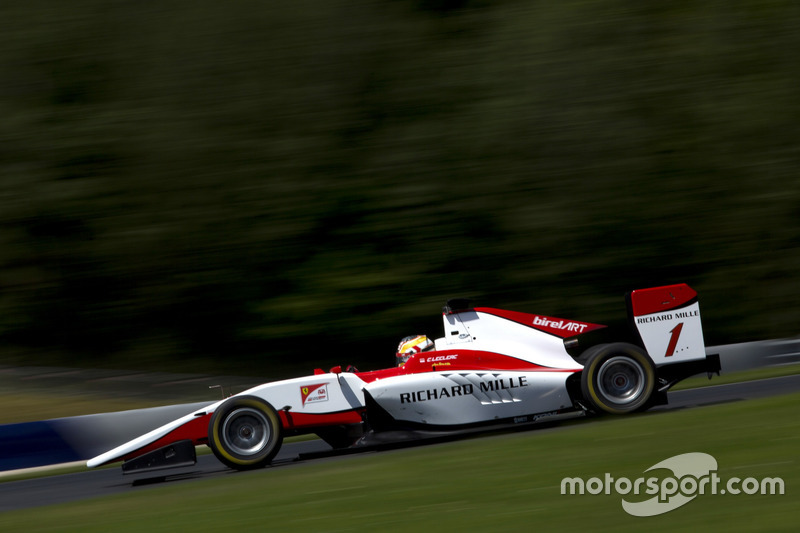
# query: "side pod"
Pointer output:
{"type": "Point", "coordinates": [377, 418]}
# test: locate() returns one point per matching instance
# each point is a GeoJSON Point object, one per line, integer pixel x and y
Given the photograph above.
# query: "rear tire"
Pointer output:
{"type": "Point", "coordinates": [618, 378]}
{"type": "Point", "coordinates": [245, 433]}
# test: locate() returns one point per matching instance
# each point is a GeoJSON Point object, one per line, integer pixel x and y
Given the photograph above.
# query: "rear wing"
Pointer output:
{"type": "Point", "coordinates": [667, 320]}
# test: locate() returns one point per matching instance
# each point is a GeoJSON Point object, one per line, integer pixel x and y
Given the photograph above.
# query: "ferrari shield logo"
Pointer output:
{"type": "Point", "coordinates": [314, 393]}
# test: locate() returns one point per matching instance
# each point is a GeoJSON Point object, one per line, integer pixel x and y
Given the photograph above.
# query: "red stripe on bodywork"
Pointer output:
{"type": "Point", "coordinates": [296, 420]}
{"type": "Point", "coordinates": [660, 299]}
{"type": "Point", "coordinates": [369, 377]}
{"type": "Point", "coordinates": [459, 360]}
{"type": "Point", "coordinates": [560, 327]}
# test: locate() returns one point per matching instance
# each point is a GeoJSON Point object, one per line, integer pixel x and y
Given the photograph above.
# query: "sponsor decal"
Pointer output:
{"type": "Point", "coordinates": [436, 394]}
{"type": "Point", "coordinates": [668, 316]}
{"type": "Point", "coordinates": [503, 384]}
{"type": "Point", "coordinates": [561, 325]}
{"type": "Point", "coordinates": [439, 393]}
{"type": "Point", "coordinates": [534, 418]}
{"type": "Point", "coordinates": [314, 393]}
{"type": "Point", "coordinates": [653, 318]}
{"type": "Point", "coordinates": [439, 359]}
{"type": "Point", "coordinates": [544, 415]}
{"type": "Point", "coordinates": [675, 333]}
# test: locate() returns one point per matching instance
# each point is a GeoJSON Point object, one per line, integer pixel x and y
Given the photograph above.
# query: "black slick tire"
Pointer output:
{"type": "Point", "coordinates": [245, 433]}
{"type": "Point", "coordinates": [617, 378]}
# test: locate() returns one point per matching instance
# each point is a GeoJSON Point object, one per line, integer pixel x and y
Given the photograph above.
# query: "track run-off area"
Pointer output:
{"type": "Point", "coordinates": [76, 486]}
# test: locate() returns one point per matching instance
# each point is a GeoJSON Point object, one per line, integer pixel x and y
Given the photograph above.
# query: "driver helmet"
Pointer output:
{"type": "Point", "coordinates": [412, 345]}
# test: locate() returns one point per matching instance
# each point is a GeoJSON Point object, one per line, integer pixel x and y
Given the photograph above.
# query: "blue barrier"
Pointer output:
{"type": "Point", "coordinates": [33, 444]}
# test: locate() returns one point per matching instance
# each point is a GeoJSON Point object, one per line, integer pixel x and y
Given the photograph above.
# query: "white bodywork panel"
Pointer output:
{"type": "Point", "coordinates": [673, 336]}
{"type": "Point", "coordinates": [474, 330]}
{"type": "Point", "coordinates": [122, 450]}
{"type": "Point", "coordinates": [464, 397]}
{"type": "Point", "coordinates": [317, 394]}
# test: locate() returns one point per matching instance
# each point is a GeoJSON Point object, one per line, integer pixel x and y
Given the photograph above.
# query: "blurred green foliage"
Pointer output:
{"type": "Point", "coordinates": [247, 185]}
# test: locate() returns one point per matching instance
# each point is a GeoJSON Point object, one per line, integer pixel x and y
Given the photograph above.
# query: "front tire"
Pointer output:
{"type": "Point", "coordinates": [618, 378]}
{"type": "Point", "coordinates": [245, 433]}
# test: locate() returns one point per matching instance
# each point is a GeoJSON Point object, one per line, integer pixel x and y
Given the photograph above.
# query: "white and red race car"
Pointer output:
{"type": "Point", "coordinates": [492, 367]}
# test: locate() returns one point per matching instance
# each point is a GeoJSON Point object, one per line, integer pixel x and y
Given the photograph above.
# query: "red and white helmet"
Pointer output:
{"type": "Point", "coordinates": [411, 345]}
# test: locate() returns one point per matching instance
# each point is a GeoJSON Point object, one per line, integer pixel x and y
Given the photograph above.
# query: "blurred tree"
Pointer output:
{"type": "Point", "coordinates": [259, 186]}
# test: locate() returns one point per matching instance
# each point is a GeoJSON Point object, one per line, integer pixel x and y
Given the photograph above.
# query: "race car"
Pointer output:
{"type": "Point", "coordinates": [491, 367]}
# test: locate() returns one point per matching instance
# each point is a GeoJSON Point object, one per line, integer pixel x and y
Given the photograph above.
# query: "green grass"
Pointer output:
{"type": "Point", "coordinates": [28, 406]}
{"type": "Point", "coordinates": [505, 482]}
{"type": "Point", "coordinates": [737, 377]}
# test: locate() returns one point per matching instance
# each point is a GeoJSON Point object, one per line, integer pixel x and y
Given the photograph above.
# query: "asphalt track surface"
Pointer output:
{"type": "Point", "coordinates": [66, 488]}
